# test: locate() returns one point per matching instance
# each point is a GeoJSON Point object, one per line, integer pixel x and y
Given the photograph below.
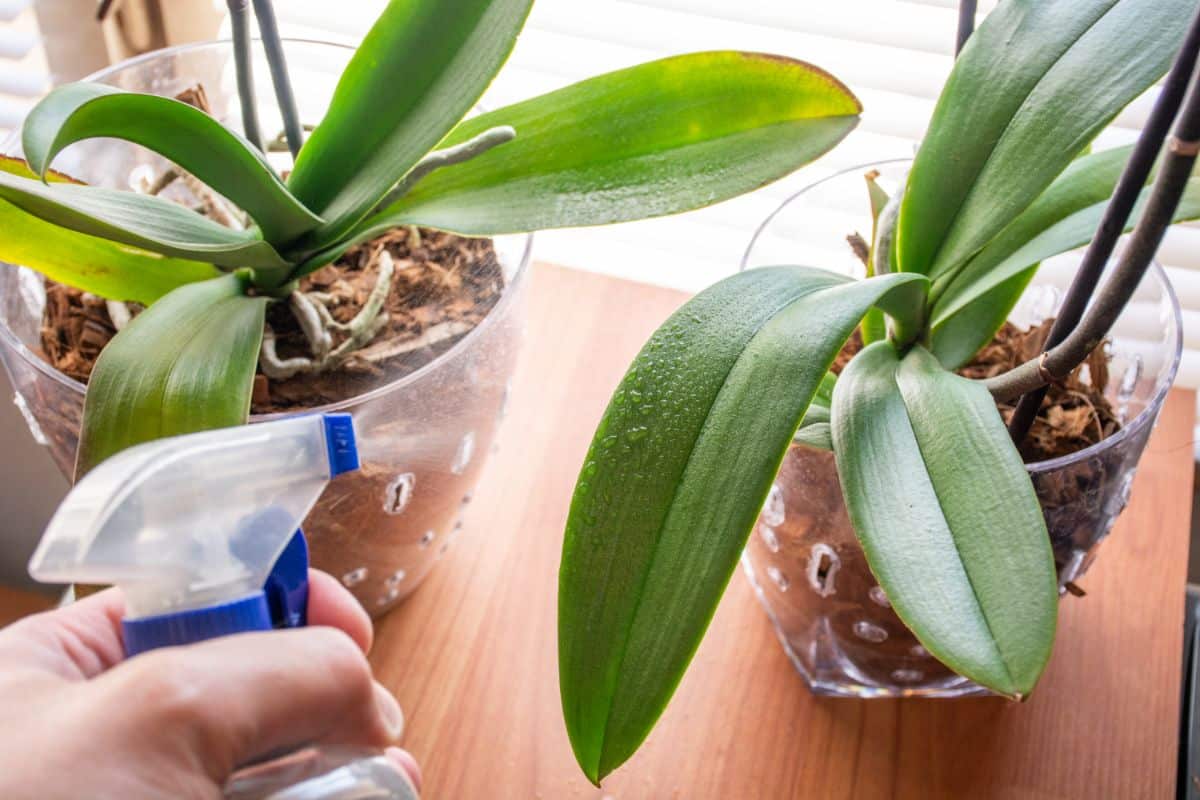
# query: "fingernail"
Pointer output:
{"type": "Point", "coordinates": [389, 710]}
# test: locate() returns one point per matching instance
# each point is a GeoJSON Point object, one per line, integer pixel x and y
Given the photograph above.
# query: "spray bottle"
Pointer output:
{"type": "Point", "coordinates": [202, 534]}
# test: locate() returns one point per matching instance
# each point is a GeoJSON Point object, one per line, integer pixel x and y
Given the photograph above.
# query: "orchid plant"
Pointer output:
{"type": "Point", "coordinates": [392, 150]}
{"type": "Point", "coordinates": [937, 492]}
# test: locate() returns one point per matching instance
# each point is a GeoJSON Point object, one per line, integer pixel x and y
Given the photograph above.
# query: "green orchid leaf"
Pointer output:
{"type": "Point", "coordinates": [183, 365]}
{"type": "Point", "coordinates": [1034, 85]}
{"type": "Point", "coordinates": [947, 515]}
{"type": "Point", "coordinates": [142, 221]}
{"type": "Point", "coordinates": [655, 139]}
{"type": "Point", "coordinates": [957, 338]}
{"type": "Point", "coordinates": [972, 310]}
{"type": "Point", "coordinates": [815, 430]}
{"type": "Point", "coordinates": [824, 395]}
{"type": "Point", "coordinates": [874, 326]}
{"type": "Point", "coordinates": [816, 414]}
{"type": "Point", "coordinates": [690, 444]}
{"type": "Point", "coordinates": [95, 265]}
{"type": "Point", "coordinates": [177, 131]}
{"type": "Point", "coordinates": [418, 72]}
{"type": "Point", "coordinates": [817, 435]}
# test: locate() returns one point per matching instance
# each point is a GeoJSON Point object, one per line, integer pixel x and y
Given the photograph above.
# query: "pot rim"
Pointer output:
{"type": "Point", "coordinates": [1145, 417]}
{"type": "Point", "coordinates": [506, 298]}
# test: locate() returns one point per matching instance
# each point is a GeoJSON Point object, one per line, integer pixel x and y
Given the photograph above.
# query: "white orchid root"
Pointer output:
{"type": "Point", "coordinates": [316, 322]}
{"type": "Point", "coordinates": [118, 313]}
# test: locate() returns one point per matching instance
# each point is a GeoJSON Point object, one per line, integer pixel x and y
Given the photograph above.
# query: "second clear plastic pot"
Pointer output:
{"type": "Point", "coordinates": [803, 558]}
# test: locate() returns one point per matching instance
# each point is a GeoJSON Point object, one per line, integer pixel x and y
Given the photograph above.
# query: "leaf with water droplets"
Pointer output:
{"type": "Point", "coordinates": [653, 536]}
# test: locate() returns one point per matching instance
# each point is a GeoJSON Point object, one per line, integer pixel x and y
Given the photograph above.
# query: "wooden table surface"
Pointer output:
{"type": "Point", "coordinates": [472, 654]}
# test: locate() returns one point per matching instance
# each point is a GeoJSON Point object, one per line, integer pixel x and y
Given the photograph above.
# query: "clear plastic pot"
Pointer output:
{"type": "Point", "coordinates": [803, 559]}
{"type": "Point", "coordinates": [424, 436]}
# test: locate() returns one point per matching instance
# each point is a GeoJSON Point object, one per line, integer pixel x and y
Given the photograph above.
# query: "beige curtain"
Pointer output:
{"type": "Point", "coordinates": [138, 26]}
{"type": "Point", "coordinates": [79, 42]}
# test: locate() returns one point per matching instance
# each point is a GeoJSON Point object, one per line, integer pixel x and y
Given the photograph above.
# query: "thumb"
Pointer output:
{"type": "Point", "coordinates": [223, 703]}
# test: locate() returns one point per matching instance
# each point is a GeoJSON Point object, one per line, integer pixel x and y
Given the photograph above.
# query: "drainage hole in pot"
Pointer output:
{"type": "Point", "coordinates": [823, 565]}
{"type": "Point", "coordinates": [907, 675]}
{"type": "Point", "coordinates": [769, 538]}
{"type": "Point", "coordinates": [354, 577]}
{"type": "Point", "coordinates": [466, 449]}
{"type": "Point", "coordinates": [398, 493]}
{"type": "Point", "coordinates": [773, 511]}
{"type": "Point", "coordinates": [870, 632]}
{"type": "Point", "coordinates": [780, 579]}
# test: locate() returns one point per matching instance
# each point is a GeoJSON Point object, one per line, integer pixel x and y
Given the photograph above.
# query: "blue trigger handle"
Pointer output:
{"type": "Point", "coordinates": [283, 600]}
{"type": "Point", "coordinates": [287, 585]}
{"type": "Point", "coordinates": [282, 603]}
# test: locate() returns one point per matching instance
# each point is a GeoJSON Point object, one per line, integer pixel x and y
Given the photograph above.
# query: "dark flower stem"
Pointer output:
{"type": "Point", "coordinates": [239, 18]}
{"type": "Point", "coordinates": [1129, 187]}
{"type": "Point", "coordinates": [268, 26]}
{"type": "Point", "coordinates": [1057, 362]}
{"type": "Point", "coordinates": [966, 23]}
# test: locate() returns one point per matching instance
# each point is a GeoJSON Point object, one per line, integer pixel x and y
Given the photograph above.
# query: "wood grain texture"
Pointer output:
{"type": "Point", "coordinates": [472, 654]}
{"type": "Point", "coordinates": [18, 603]}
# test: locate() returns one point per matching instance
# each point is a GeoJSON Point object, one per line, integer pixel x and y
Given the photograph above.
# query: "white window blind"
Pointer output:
{"type": "Point", "coordinates": [894, 54]}
{"type": "Point", "coordinates": [23, 74]}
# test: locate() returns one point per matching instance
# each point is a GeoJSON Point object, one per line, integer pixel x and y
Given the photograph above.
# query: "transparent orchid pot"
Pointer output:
{"type": "Point", "coordinates": [424, 432]}
{"type": "Point", "coordinates": [803, 559]}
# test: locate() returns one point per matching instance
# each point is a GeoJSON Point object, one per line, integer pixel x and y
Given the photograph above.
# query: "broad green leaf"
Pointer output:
{"type": "Point", "coordinates": [177, 131]}
{"type": "Point", "coordinates": [947, 515]}
{"type": "Point", "coordinates": [183, 365]}
{"type": "Point", "coordinates": [1033, 86]}
{"type": "Point", "coordinates": [658, 138]}
{"type": "Point", "coordinates": [956, 339]}
{"type": "Point", "coordinates": [104, 268]}
{"type": "Point", "coordinates": [418, 72]}
{"type": "Point", "coordinates": [143, 221]}
{"type": "Point", "coordinates": [1088, 181]}
{"type": "Point", "coordinates": [674, 480]}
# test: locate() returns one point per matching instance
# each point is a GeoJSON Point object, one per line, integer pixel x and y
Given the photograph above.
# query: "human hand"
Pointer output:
{"type": "Point", "coordinates": [78, 719]}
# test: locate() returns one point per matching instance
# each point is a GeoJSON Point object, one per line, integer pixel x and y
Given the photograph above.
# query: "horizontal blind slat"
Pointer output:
{"type": "Point", "coordinates": [928, 29]}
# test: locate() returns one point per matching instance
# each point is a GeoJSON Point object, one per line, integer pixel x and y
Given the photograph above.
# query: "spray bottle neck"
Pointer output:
{"type": "Point", "coordinates": [281, 603]}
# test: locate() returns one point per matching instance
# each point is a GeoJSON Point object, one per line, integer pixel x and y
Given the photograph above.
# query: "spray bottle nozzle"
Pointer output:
{"type": "Point", "coordinates": [201, 531]}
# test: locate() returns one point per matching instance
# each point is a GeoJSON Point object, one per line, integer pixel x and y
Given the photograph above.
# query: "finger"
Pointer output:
{"type": "Point", "coordinates": [233, 700]}
{"type": "Point", "coordinates": [330, 604]}
{"type": "Point", "coordinates": [76, 642]}
{"type": "Point", "coordinates": [407, 764]}
{"type": "Point", "coordinates": [84, 639]}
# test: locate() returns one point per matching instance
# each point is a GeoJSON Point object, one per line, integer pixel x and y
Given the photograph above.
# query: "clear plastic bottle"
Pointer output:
{"type": "Point", "coordinates": [201, 533]}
